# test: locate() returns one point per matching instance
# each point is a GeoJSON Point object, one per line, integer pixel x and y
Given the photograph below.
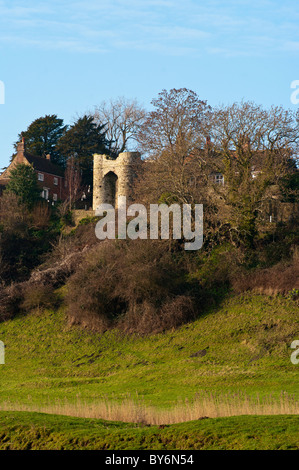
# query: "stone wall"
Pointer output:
{"type": "Point", "coordinates": [113, 177]}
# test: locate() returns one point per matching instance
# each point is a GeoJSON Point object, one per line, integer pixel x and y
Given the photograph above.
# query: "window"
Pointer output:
{"type": "Point", "coordinates": [55, 181]}
{"type": "Point", "coordinates": [40, 177]}
{"type": "Point", "coordinates": [219, 178]}
{"type": "Point", "coordinates": [54, 197]}
{"type": "Point", "coordinates": [45, 193]}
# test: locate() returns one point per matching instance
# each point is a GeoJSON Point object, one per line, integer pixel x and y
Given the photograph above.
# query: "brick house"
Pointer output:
{"type": "Point", "coordinates": [50, 176]}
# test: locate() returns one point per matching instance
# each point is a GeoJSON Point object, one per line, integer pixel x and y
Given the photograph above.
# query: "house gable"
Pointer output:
{"type": "Point", "coordinates": [50, 176]}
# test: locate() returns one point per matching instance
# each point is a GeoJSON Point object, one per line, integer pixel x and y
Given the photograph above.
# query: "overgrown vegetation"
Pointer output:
{"type": "Point", "coordinates": [144, 286]}
{"type": "Point", "coordinates": [26, 235]}
{"type": "Point", "coordinates": [28, 431]}
{"type": "Point", "coordinates": [150, 286]}
{"type": "Point", "coordinates": [138, 286]}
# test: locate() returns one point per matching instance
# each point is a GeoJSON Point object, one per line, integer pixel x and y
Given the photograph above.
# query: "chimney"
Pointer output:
{"type": "Point", "coordinates": [21, 150]}
{"type": "Point", "coordinates": [48, 156]}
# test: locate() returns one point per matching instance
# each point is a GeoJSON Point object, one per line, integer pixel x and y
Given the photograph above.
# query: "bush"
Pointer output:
{"type": "Point", "coordinates": [89, 220]}
{"type": "Point", "coordinates": [25, 237]}
{"type": "Point", "coordinates": [38, 296]}
{"type": "Point", "coordinates": [214, 268]}
{"type": "Point", "coordinates": [279, 279]}
{"type": "Point", "coordinates": [10, 299]}
{"type": "Point", "coordinates": [134, 285]}
{"type": "Point", "coordinates": [147, 319]}
{"type": "Point", "coordinates": [23, 183]}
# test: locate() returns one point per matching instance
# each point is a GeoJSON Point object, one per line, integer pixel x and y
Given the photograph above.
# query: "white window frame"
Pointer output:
{"type": "Point", "coordinates": [55, 181]}
{"type": "Point", "coordinates": [45, 193]}
{"type": "Point", "coordinates": [219, 178]}
{"type": "Point", "coordinates": [40, 177]}
{"type": "Point", "coordinates": [55, 197]}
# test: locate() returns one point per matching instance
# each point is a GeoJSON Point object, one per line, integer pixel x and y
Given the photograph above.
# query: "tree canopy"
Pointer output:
{"type": "Point", "coordinates": [176, 125]}
{"type": "Point", "coordinates": [170, 138]}
{"type": "Point", "coordinates": [84, 138]}
{"type": "Point", "coordinates": [122, 119]}
{"type": "Point", "coordinates": [23, 183]}
{"type": "Point", "coordinates": [251, 149]}
{"type": "Point", "coordinates": [42, 135]}
{"type": "Point", "coordinates": [255, 149]}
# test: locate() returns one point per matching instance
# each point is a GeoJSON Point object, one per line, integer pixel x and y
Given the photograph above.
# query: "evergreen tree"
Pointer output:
{"type": "Point", "coordinates": [23, 183]}
{"type": "Point", "coordinates": [42, 135]}
{"type": "Point", "coordinates": [84, 138]}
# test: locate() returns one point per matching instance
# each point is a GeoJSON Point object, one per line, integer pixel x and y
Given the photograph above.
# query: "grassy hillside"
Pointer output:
{"type": "Point", "coordinates": [24, 431]}
{"type": "Point", "coordinates": [242, 346]}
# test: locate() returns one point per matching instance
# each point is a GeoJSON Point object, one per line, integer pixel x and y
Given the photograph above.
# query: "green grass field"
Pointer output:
{"type": "Point", "coordinates": [24, 431]}
{"type": "Point", "coordinates": [246, 343]}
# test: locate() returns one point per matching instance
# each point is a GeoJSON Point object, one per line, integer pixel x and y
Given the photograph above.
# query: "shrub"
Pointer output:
{"type": "Point", "coordinates": [147, 319]}
{"type": "Point", "coordinates": [38, 296]}
{"type": "Point", "coordinates": [89, 220]}
{"type": "Point", "coordinates": [134, 285]}
{"type": "Point", "coordinates": [10, 299]}
{"type": "Point", "coordinates": [282, 278]}
{"type": "Point", "coordinates": [25, 237]}
{"type": "Point", "coordinates": [40, 216]}
{"type": "Point", "coordinates": [23, 183]}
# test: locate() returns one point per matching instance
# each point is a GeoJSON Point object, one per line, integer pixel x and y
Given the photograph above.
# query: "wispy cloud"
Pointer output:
{"type": "Point", "coordinates": [234, 28]}
{"type": "Point", "coordinates": [71, 45]}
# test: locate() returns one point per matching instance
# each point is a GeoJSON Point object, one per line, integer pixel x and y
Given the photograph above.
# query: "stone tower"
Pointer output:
{"type": "Point", "coordinates": [113, 177]}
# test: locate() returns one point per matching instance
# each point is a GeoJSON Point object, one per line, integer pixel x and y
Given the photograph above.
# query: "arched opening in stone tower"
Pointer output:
{"type": "Point", "coordinates": [111, 188]}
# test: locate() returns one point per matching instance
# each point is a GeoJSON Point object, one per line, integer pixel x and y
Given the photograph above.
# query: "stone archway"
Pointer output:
{"type": "Point", "coordinates": [110, 182]}
{"type": "Point", "coordinates": [113, 177]}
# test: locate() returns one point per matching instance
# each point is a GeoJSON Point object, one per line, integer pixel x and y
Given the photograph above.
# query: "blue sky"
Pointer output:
{"type": "Point", "coordinates": [65, 57]}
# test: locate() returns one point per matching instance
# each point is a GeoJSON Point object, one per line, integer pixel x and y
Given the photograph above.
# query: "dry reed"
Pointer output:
{"type": "Point", "coordinates": [136, 411]}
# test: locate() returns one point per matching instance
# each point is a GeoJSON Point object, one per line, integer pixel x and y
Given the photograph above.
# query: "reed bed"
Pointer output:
{"type": "Point", "coordinates": [204, 405]}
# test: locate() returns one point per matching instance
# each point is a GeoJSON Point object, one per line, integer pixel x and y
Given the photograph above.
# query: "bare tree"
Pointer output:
{"type": "Point", "coordinates": [255, 149]}
{"type": "Point", "coordinates": [72, 181]}
{"type": "Point", "coordinates": [171, 138]}
{"type": "Point", "coordinates": [191, 149]}
{"type": "Point", "coordinates": [122, 118]}
{"type": "Point", "coordinates": [176, 124]}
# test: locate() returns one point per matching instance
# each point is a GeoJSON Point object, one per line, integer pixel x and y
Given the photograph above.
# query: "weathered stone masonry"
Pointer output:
{"type": "Point", "coordinates": [113, 177]}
